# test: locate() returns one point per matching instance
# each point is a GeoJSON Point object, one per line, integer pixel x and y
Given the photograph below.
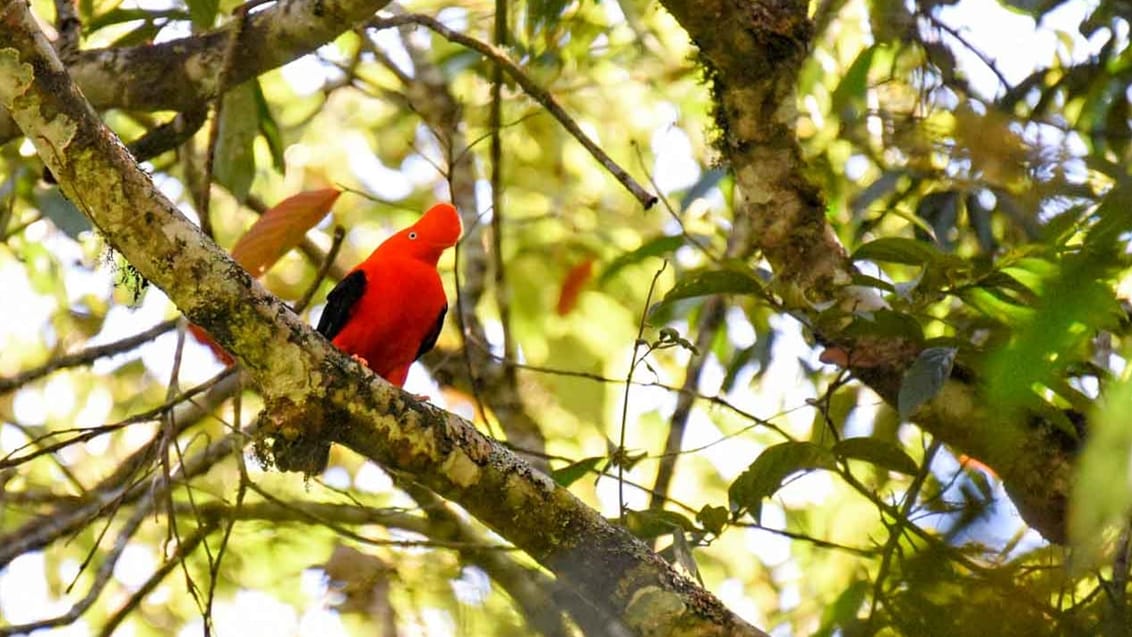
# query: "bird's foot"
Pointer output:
{"type": "Point", "coordinates": [424, 398]}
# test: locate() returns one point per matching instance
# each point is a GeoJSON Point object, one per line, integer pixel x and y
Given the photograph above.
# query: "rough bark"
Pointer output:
{"type": "Point", "coordinates": [752, 52]}
{"type": "Point", "coordinates": [182, 74]}
{"type": "Point", "coordinates": [294, 366]}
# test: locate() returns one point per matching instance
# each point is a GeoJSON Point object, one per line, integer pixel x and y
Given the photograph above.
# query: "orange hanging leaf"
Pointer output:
{"type": "Point", "coordinates": [203, 338]}
{"type": "Point", "coordinates": [270, 237]}
{"type": "Point", "coordinates": [572, 285]}
{"type": "Point", "coordinates": [282, 228]}
{"type": "Point", "coordinates": [970, 462]}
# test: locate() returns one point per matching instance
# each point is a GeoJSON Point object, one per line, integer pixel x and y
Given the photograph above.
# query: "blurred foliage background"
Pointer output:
{"type": "Point", "coordinates": [977, 173]}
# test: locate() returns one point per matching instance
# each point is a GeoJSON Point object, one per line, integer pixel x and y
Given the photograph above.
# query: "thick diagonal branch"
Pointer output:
{"type": "Point", "coordinates": [753, 52]}
{"type": "Point", "coordinates": [295, 366]}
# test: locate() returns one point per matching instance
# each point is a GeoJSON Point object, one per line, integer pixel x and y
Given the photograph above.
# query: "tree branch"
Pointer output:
{"type": "Point", "coordinates": [101, 578]}
{"type": "Point", "coordinates": [537, 93]}
{"type": "Point", "coordinates": [118, 488]}
{"type": "Point", "coordinates": [181, 75]}
{"type": "Point", "coordinates": [753, 53]}
{"type": "Point", "coordinates": [86, 357]}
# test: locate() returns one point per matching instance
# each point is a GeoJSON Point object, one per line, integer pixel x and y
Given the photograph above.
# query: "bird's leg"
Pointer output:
{"type": "Point", "coordinates": [424, 398]}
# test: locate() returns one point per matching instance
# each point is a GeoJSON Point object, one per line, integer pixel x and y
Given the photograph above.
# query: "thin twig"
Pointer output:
{"type": "Point", "coordinates": [101, 578]}
{"type": "Point", "coordinates": [323, 269]}
{"type": "Point", "coordinates": [36, 441]}
{"type": "Point", "coordinates": [163, 482]}
{"type": "Point", "coordinates": [314, 514]}
{"type": "Point", "coordinates": [598, 378]}
{"type": "Point", "coordinates": [703, 248]}
{"type": "Point", "coordinates": [897, 529]}
{"type": "Point", "coordinates": [711, 318]}
{"type": "Point", "coordinates": [628, 387]}
{"type": "Point", "coordinates": [495, 121]}
{"type": "Point", "coordinates": [953, 32]}
{"type": "Point", "coordinates": [86, 357]}
{"type": "Point", "coordinates": [540, 95]}
{"type": "Point", "coordinates": [69, 27]}
{"type": "Point", "coordinates": [184, 549]}
{"type": "Point", "coordinates": [88, 433]}
{"type": "Point", "coordinates": [241, 491]}
{"type": "Point", "coordinates": [116, 489]}
{"type": "Point", "coordinates": [809, 539]}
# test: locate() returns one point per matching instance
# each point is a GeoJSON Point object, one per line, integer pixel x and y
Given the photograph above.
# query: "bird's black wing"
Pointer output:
{"type": "Point", "coordinates": [430, 339]}
{"type": "Point", "coordinates": [340, 304]}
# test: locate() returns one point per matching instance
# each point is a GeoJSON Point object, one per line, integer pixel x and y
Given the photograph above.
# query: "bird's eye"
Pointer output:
{"type": "Point", "coordinates": [412, 235]}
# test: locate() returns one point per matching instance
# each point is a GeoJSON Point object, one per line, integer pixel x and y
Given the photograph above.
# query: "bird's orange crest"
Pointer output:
{"type": "Point", "coordinates": [441, 225]}
{"type": "Point", "coordinates": [436, 231]}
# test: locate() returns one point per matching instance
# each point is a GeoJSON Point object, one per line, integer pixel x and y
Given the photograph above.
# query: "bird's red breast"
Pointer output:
{"type": "Point", "coordinates": [403, 301]}
{"type": "Point", "coordinates": [390, 308]}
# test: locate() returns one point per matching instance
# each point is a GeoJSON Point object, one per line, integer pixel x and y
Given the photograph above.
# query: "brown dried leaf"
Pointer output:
{"type": "Point", "coordinates": [282, 228]}
{"type": "Point", "coordinates": [363, 580]}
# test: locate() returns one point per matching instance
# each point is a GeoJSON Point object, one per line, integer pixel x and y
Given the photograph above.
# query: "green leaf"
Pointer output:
{"type": "Point", "coordinates": [882, 453]}
{"type": "Point", "coordinates": [1102, 495]}
{"type": "Point", "coordinates": [571, 473]}
{"type": "Point", "coordinates": [885, 323]}
{"type": "Point", "coordinates": [848, 99]}
{"type": "Point", "coordinates": [841, 617]}
{"type": "Point", "coordinates": [898, 250]}
{"type": "Point", "coordinates": [883, 185]}
{"type": "Point", "coordinates": [269, 128]}
{"type": "Point", "coordinates": [1074, 303]}
{"type": "Point", "coordinates": [872, 282]}
{"type": "Point", "coordinates": [1007, 287]}
{"type": "Point", "coordinates": [1064, 227]}
{"type": "Point", "coordinates": [682, 551]}
{"type": "Point", "coordinates": [203, 12]}
{"type": "Point", "coordinates": [941, 210]}
{"type": "Point", "coordinates": [118, 16]}
{"type": "Point", "coordinates": [836, 412]}
{"type": "Point", "coordinates": [1114, 218]}
{"type": "Point", "coordinates": [708, 282]}
{"type": "Point", "coordinates": [143, 34]}
{"type": "Point", "coordinates": [766, 474]}
{"type": "Point", "coordinates": [708, 180]}
{"type": "Point", "coordinates": [655, 247]}
{"type": "Point", "coordinates": [713, 518]}
{"type": "Point", "coordinates": [995, 304]}
{"type": "Point", "coordinates": [924, 379]}
{"type": "Point", "coordinates": [1033, 8]}
{"type": "Point", "coordinates": [758, 353]}
{"type": "Point", "coordinates": [543, 13]}
{"type": "Point", "coordinates": [234, 163]}
{"type": "Point", "coordinates": [652, 523]}
{"type": "Point", "coordinates": [62, 212]}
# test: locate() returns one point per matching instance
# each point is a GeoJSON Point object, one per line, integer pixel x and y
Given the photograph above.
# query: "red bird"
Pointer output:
{"type": "Point", "coordinates": [388, 311]}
